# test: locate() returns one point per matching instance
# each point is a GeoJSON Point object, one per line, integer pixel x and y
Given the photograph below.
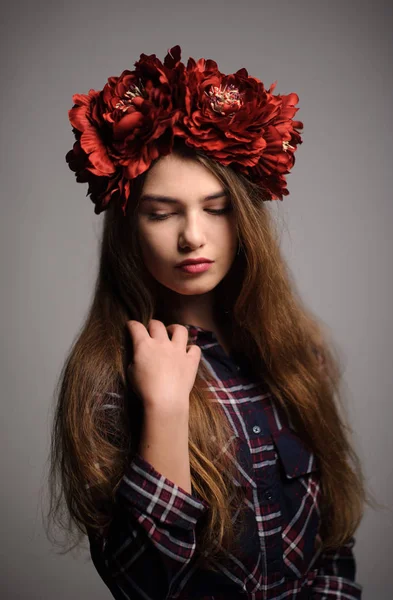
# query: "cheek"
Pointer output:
{"type": "Point", "coordinates": [154, 247]}
{"type": "Point", "coordinates": [230, 236]}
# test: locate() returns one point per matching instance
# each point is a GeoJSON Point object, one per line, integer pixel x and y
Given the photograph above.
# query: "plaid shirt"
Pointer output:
{"type": "Point", "coordinates": [150, 551]}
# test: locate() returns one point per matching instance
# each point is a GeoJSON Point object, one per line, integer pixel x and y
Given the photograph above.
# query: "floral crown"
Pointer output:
{"type": "Point", "coordinates": [121, 129]}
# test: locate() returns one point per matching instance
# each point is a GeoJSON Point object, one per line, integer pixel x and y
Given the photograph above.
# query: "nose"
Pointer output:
{"type": "Point", "coordinates": [191, 232]}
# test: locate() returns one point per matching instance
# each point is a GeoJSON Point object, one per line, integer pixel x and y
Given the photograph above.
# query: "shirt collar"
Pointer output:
{"type": "Point", "coordinates": [199, 334]}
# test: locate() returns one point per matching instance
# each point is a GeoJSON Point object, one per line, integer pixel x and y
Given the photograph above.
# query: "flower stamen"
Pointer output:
{"type": "Point", "coordinates": [224, 97]}
{"type": "Point", "coordinates": [286, 145]}
{"type": "Point", "coordinates": [128, 97]}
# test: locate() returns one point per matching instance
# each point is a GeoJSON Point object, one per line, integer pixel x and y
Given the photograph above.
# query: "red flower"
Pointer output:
{"type": "Point", "coordinates": [239, 123]}
{"type": "Point", "coordinates": [142, 107]}
{"type": "Point", "coordinates": [127, 125]}
{"type": "Point", "coordinates": [120, 130]}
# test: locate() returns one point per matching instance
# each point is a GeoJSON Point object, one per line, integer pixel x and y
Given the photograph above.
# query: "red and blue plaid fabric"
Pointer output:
{"type": "Point", "coordinates": [150, 551]}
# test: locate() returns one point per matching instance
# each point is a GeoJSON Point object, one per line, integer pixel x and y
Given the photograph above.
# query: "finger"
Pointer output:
{"type": "Point", "coordinates": [137, 330]}
{"type": "Point", "coordinates": [157, 329]}
{"type": "Point", "coordinates": [133, 327]}
{"type": "Point", "coordinates": [194, 351]}
{"type": "Point", "coordinates": [179, 333]}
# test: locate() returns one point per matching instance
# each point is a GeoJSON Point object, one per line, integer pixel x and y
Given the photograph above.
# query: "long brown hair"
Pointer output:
{"type": "Point", "coordinates": [91, 442]}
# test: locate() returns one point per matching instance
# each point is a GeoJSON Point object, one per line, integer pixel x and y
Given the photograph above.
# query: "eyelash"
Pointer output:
{"type": "Point", "coordinates": [220, 211]}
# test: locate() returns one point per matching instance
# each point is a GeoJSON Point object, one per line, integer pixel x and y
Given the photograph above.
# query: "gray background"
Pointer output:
{"type": "Point", "coordinates": [337, 236]}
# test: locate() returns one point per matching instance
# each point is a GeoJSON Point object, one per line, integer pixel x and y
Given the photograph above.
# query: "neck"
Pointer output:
{"type": "Point", "coordinates": [200, 310]}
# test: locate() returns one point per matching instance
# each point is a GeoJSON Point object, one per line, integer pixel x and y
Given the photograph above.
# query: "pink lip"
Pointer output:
{"type": "Point", "coordinates": [195, 268]}
{"type": "Point", "coordinates": [194, 261]}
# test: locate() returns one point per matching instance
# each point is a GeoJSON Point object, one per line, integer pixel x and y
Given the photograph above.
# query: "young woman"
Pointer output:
{"type": "Point", "coordinates": [199, 439]}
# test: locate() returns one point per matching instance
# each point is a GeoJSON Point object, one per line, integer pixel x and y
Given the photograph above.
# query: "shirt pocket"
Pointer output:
{"type": "Point", "coordinates": [299, 501]}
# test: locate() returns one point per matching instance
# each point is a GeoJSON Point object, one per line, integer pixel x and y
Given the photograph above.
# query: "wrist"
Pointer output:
{"type": "Point", "coordinates": [167, 411]}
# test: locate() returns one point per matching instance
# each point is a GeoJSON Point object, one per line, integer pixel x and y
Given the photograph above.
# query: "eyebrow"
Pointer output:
{"type": "Point", "coordinates": [169, 200]}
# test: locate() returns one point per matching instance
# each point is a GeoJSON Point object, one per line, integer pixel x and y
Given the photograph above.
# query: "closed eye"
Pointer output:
{"type": "Point", "coordinates": [161, 217]}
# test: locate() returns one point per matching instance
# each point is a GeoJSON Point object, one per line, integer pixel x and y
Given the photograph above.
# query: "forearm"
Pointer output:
{"type": "Point", "coordinates": [336, 577]}
{"type": "Point", "coordinates": [151, 539]}
{"type": "Point", "coordinates": [164, 444]}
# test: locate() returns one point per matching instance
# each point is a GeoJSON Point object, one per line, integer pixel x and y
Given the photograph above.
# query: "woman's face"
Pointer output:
{"type": "Point", "coordinates": [185, 227]}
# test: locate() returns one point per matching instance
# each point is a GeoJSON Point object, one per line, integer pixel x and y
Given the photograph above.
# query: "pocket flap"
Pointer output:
{"type": "Point", "coordinates": [295, 456]}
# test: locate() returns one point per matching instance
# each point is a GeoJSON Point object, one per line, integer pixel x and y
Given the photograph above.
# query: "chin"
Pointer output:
{"type": "Point", "coordinates": [189, 288]}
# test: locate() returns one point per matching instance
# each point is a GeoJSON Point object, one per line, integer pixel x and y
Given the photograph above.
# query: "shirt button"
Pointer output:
{"type": "Point", "coordinates": [268, 495]}
{"type": "Point", "coordinates": [256, 429]}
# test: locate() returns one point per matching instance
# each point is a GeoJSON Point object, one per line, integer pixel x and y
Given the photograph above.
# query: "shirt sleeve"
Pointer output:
{"type": "Point", "coordinates": [336, 573]}
{"type": "Point", "coordinates": [151, 539]}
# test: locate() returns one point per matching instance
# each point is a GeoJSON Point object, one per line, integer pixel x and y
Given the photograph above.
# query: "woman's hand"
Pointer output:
{"type": "Point", "coordinates": [163, 370]}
